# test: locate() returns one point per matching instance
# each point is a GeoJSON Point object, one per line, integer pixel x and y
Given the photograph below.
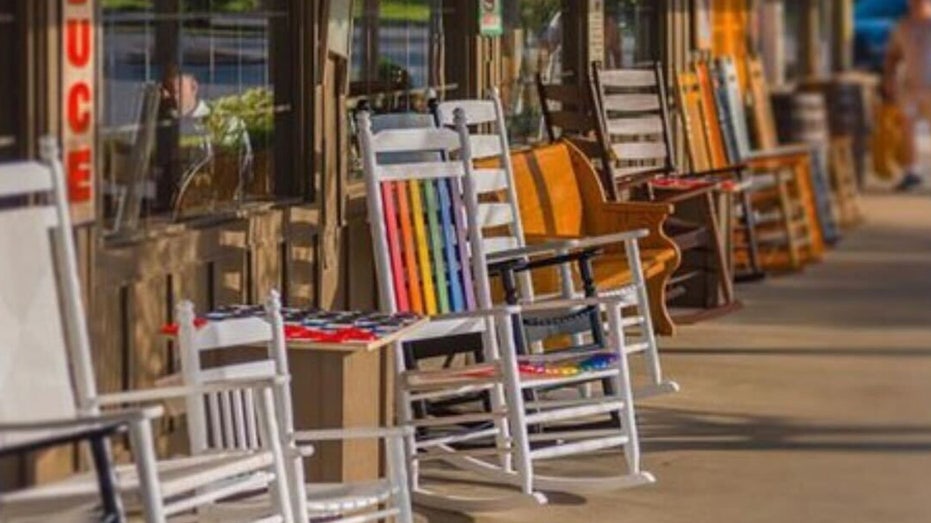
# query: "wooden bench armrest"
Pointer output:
{"type": "Point", "coordinates": [614, 217]}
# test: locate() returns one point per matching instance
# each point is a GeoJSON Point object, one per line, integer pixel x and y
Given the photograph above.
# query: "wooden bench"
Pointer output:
{"type": "Point", "coordinates": [561, 197]}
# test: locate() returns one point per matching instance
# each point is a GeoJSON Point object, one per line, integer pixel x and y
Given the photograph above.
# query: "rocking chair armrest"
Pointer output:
{"type": "Point", "coordinates": [539, 245]}
{"type": "Point", "coordinates": [564, 256]}
{"type": "Point", "coordinates": [161, 394]}
{"type": "Point", "coordinates": [684, 196]}
{"type": "Point", "coordinates": [779, 153]}
{"type": "Point", "coordinates": [568, 303]}
{"type": "Point", "coordinates": [310, 436]}
{"type": "Point", "coordinates": [639, 178]}
{"type": "Point", "coordinates": [730, 170]}
{"type": "Point", "coordinates": [497, 311]}
{"type": "Point", "coordinates": [613, 217]}
{"type": "Point", "coordinates": [651, 208]}
{"type": "Point", "coordinates": [589, 242]}
{"type": "Point", "coordinates": [84, 422]}
{"type": "Point", "coordinates": [536, 249]}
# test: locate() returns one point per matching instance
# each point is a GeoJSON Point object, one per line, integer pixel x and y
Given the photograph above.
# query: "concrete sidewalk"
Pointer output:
{"type": "Point", "coordinates": [813, 404]}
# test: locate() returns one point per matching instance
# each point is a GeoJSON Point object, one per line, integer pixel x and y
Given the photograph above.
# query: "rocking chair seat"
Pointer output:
{"type": "Point", "coordinates": [176, 476]}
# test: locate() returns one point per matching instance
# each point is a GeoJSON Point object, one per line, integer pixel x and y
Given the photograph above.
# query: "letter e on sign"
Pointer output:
{"type": "Point", "coordinates": [78, 128]}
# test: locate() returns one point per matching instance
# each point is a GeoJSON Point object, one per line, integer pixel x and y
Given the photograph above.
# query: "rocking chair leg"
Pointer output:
{"type": "Point", "coordinates": [795, 258]}
{"type": "Point", "coordinates": [112, 506]}
{"type": "Point", "coordinates": [725, 281]}
{"type": "Point", "coordinates": [753, 246]}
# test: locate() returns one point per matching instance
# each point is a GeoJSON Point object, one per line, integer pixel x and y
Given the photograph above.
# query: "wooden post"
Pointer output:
{"type": "Point", "coordinates": [772, 45]}
{"type": "Point", "coordinates": [810, 38]}
{"type": "Point", "coordinates": [842, 41]}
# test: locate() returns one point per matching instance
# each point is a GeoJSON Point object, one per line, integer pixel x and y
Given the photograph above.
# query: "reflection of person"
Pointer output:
{"type": "Point", "coordinates": [200, 132]}
{"type": "Point", "coordinates": [613, 39]}
{"type": "Point", "coordinates": [910, 51]}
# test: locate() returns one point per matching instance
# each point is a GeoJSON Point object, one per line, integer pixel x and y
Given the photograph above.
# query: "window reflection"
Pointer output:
{"type": "Point", "coordinates": [398, 58]}
{"type": "Point", "coordinates": [398, 52]}
{"type": "Point", "coordinates": [9, 144]}
{"type": "Point", "coordinates": [534, 47]}
{"type": "Point", "coordinates": [630, 33]}
{"type": "Point", "coordinates": [190, 108]}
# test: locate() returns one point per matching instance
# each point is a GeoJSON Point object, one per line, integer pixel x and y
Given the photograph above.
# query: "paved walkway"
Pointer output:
{"type": "Point", "coordinates": [813, 404]}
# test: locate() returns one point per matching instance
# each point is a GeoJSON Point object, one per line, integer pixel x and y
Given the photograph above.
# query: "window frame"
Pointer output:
{"type": "Point", "coordinates": [294, 175]}
{"type": "Point", "coordinates": [18, 16]}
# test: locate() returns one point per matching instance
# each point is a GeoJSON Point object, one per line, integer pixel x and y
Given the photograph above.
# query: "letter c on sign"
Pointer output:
{"type": "Point", "coordinates": [79, 116]}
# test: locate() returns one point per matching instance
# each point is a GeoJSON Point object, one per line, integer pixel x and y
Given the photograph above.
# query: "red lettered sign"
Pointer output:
{"type": "Point", "coordinates": [78, 111]}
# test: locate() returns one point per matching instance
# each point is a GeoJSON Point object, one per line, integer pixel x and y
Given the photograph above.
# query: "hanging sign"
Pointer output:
{"type": "Point", "coordinates": [78, 111]}
{"type": "Point", "coordinates": [490, 18]}
{"type": "Point", "coordinates": [596, 31]}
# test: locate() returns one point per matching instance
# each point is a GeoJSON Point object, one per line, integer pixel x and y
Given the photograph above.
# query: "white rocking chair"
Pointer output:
{"type": "Point", "coordinates": [45, 357]}
{"type": "Point", "coordinates": [430, 257]}
{"type": "Point", "coordinates": [228, 420]}
{"type": "Point", "coordinates": [499, 210]}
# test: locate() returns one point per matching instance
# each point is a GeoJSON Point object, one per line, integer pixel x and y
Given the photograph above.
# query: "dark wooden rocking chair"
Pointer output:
{"type": "Point", "coordinates": [644, 170]}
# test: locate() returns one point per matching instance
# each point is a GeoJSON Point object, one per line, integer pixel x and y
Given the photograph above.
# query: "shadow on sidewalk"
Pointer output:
{"type": "Point", "coordinates": [671, 429]}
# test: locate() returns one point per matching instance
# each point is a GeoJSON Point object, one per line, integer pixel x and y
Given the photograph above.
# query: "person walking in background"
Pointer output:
{"type": "Point", "coordinates": [907, 81]}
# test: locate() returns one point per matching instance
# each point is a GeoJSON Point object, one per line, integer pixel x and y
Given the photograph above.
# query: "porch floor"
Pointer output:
{"type": "Point", "coordinates": [812, 404]}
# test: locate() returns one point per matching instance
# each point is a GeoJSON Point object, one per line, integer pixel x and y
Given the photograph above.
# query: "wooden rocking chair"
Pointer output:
{"type": "Point", "coordinates": [632, 112]}
{"type": "Point", "coordinates": [703, 279]}
{"type": "Point", "coordinates": [48, 349]}
{"type": "Point", "coordinates": [706, 151]}
{"type": "Point", "coordinates": [430, 259]}
{"type": "Point", "coordinates": [818, 145]}
{"type": "Point", "coordinates": [229, 420]}
{"type": "Point", "coordinates": [500, 214]}
{"type": "Point", "coordinates": [781, 186]}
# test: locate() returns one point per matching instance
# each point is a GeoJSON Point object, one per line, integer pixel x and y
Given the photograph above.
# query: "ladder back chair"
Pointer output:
{"type": "Point", "coordinates": [501, 217]}
{"type": "Point", "coordinates": [633, 126]}
{"type": "Point", "coordinates": [705, 148]}
{"type": "Point", "coordinates": [49, 361]}
{"type": "Point", "coordinates": [430, 256]}
{"type": "Point", "coordinates": [229, 420]}
{"type": "Point", "coordinates": [783, 196]}
{"type": "Point", "coordinates": [817, 143]}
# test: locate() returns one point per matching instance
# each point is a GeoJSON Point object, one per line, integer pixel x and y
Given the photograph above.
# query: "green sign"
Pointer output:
{"type": "Point", "coordinates": [490, 19]}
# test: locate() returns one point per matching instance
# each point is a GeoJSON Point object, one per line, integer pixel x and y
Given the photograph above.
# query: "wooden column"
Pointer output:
{"type": "Point", "coordinates": [809, 38]}
{"type": "Point", "coordinates": [772, 40]}
{"type": "Point", "coordinates": [842, 41]}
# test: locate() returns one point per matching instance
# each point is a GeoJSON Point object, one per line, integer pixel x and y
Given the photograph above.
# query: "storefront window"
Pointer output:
{"type": "Point", "coordinates": [397, 52]}
{"type": "Point", "coordinates": [630, 33]}
{"type": "Point", "coordinates": [191, 107]}
{"type": "Point", "coordinates": [398, 59]}
{"type": "Point", "coordinates": [9, 80]}
{"type": "Point", "coordinates": [533, 45]}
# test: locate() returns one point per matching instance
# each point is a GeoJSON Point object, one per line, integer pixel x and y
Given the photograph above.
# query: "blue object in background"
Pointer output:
{"type": "Point", "coordinates": [874, 21]}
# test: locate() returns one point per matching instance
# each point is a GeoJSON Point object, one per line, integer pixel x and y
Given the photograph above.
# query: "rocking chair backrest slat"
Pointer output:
{"type": "Point", "coordinates": [498, 214]}
{"type": "Point", "coordinates": [693, 122]}
{"type": "Point", "coordinates": [632, 118]}
{"type": "Point", "coordinates": [566, 110]}
{"type": "Point", "coordinates": [419, 222]}
{"type": "Point", "coordinates": [33, 356]}
{"type": "Point", "coordinates": [498, 206]}
{"type": "Point", "coordinates": [734, 111]}
{"type": "Point", "coordinates": [22, 178]}
{"type": "Point", "coordinates": [761, 103]}
{"type": "Point", "coordinates": [44, 347]}
{"type": "Point", "coordinates": [229, 419]}
{"type": "Point", "coordinates": [710, 115]}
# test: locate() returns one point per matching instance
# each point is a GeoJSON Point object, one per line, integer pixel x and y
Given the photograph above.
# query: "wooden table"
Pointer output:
{"type": "Point", "coordinates": [349, 384]}
{"type": "Point", "coordinates": [336, 385]}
